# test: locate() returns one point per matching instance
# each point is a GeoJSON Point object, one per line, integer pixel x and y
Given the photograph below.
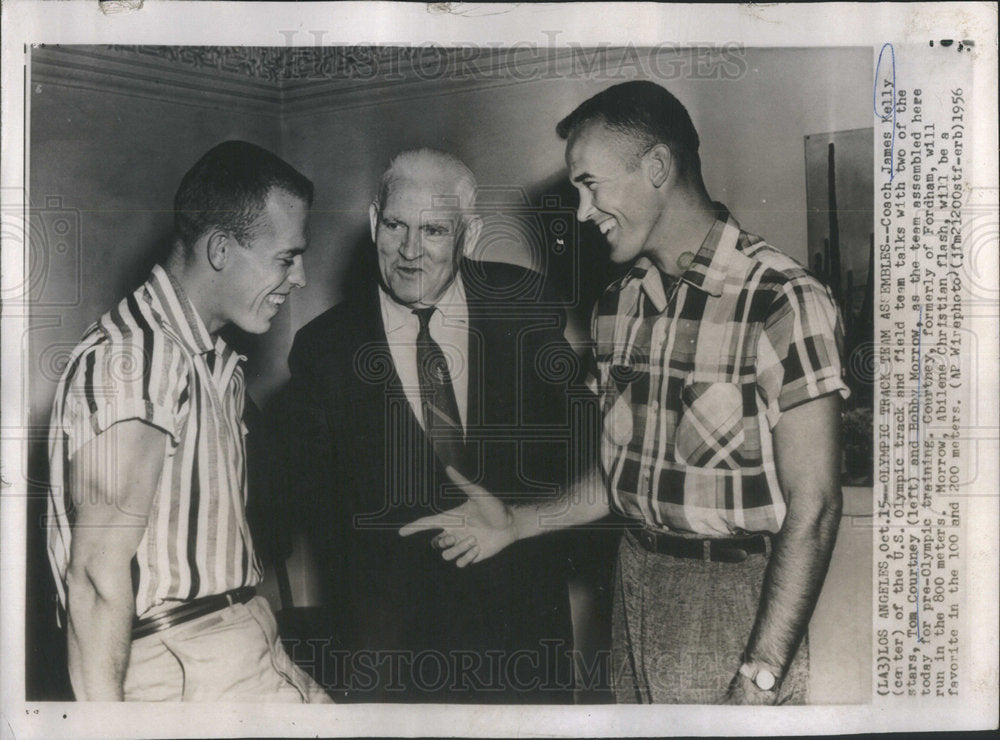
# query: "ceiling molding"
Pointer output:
{"type": "Point", "coordinates": [292, 81]}
{"type": "Point", "coordinates": [400, 74]}
{"type": "Point", "coordinates": [261, 63]}
{"type": "Point", "coordinates": [100, 68]}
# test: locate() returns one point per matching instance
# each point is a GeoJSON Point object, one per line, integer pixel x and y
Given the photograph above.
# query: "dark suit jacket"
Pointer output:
{"type": "Point", "coordinates": [404, 625]}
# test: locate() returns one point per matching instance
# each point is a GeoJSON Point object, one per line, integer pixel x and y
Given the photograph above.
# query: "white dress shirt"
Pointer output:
{"type": "Point", "coordinates": [449, 327]}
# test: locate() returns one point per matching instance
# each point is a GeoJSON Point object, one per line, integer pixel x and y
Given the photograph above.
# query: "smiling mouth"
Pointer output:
{"type": "Point", "coordinates": [606, 225]}
{"type": "Point", "coordinates": [276, 299]}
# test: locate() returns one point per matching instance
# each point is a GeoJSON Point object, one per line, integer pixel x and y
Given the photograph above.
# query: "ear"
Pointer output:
{"type": "Point", "coordinates": [659, 163]}
{"type": "Point", "coordinates": [373, 219]}
{"type": "Point", "coordinates": [216, 247]}
{"type": "Point", "coordinates": [473, 227]}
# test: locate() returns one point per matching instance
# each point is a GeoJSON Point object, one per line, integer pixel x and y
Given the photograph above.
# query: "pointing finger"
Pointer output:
{"type": "Point", "coordinates": [420, 525]}
{"type": "Point", "coordinates": [435, 521]}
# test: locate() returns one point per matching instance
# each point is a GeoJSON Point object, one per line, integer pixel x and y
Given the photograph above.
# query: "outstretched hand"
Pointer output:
{"type": "Point", "coordinates": [473, 531]}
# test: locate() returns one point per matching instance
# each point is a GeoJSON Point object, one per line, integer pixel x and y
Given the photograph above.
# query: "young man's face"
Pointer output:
{"type": "Point", "coordinates": [260, 273]}
{"type": "Point", "coordinates": [418, 241]}
{"type": "Point", "coordinates": [615, 192]}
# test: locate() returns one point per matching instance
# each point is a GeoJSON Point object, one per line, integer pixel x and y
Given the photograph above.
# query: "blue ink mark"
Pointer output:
{"type": "Point", "coordinates": [889, 112]}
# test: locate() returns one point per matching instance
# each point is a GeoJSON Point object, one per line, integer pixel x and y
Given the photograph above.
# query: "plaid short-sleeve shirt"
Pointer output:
{"type": "Point", "coordinates": [694, 373]}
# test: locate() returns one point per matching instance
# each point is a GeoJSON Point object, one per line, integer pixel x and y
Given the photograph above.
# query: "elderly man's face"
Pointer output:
{"type": "Point", "coordinates": [419, 241]}
{"type": "Point", "coordinates": [615, 191]}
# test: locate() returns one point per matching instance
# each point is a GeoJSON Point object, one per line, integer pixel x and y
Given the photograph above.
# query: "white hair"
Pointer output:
{"type": "Point", "coordinates": [447, 172]}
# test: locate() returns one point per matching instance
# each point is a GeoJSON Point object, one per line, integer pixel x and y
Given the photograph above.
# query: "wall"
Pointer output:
{"type": "Point", "coordinates": [113, 154]}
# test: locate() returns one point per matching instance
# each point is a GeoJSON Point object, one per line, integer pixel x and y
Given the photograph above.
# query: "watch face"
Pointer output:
{"type": "Point", "coordinates": [765, 680]}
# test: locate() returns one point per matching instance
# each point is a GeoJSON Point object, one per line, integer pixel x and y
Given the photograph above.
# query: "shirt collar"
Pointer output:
{"type": "Point", "coordinates": [452, 306]}
{"type": "Point", "coordinates": [182, 315]}
{"type": "Point", "coordinates": [648, 277]}
{"type": "Point", "coordinates": [707, 271]}
{"type": "Point", "coordinates": [714, 259]}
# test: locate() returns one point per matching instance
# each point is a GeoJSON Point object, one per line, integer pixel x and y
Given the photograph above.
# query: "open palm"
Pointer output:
{"type": "Point", "coordinates": [475, 530]}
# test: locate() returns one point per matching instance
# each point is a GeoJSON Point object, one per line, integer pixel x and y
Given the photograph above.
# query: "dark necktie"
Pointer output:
{"type": "Point", "coordinates": [442, 422]}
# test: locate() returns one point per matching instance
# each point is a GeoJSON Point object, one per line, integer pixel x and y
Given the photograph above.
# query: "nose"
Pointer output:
{"type": "Point", "coordinates": [410, 246]}
{"type": "Point", "coordinates": [297, 273]}
{"type": "Point", "coordinates": [585, 208]}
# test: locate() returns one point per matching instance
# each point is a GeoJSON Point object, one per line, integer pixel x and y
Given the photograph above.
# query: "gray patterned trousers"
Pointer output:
{"type": "Point", "coordinates": [680, 626]}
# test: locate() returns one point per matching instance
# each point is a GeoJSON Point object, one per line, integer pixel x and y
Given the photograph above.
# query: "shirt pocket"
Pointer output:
{"type": "Point", "coordinates": [710, 432]}
{"type": "Point", "coordinates": [618, 424]}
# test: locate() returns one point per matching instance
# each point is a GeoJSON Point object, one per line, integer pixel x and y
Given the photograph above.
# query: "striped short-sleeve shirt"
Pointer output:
{"type": "Point", "coordinates": [694, 373]}
{"type": "Point", "coordinates": [151, 358]}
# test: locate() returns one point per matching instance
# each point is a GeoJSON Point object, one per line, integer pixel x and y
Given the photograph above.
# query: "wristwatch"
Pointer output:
{"type": "Point", "coordinates": [763, 678]}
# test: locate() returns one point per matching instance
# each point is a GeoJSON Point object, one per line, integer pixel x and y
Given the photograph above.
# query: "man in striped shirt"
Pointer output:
{"type": "Point", "coordinates": [148, 536]}
{"type": "Point", "coordinates": [718, 372]}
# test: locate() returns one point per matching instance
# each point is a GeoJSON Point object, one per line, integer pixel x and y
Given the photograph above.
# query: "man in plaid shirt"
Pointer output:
{"type": "Point", "coordinates": [717, 367]}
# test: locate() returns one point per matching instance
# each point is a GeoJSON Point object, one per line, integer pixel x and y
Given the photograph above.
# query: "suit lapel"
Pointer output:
{"type": "Point", "coordinates": [492, 378]}
{"type": "Point", "coordinates": [373, 366]}
{"type": "Point", "coordinates": [474, 362]}
{"type": "Point", "coordinates": [400, 451]}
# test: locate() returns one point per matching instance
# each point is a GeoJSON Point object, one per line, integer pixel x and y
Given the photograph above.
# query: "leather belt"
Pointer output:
{"type": "Point", "coordinates": [191, 610]}
{"type": "Point", "coordinates": [717, 549]}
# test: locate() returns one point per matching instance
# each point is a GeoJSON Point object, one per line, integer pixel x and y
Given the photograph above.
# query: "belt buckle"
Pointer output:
{"type": "Point", "coordinates": [731, 555]}
{"type": "Point", "coordinates": [648, 539]}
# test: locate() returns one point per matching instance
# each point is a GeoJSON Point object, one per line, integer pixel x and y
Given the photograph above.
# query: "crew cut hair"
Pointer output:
{"type": "Point", "coordinates": [228, 189]}
{"type": "Point", "coordinates": [643, 111]}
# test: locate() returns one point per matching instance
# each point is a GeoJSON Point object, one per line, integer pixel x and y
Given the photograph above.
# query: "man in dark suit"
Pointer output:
{"type": "Point", "coordinates": [435, 360]}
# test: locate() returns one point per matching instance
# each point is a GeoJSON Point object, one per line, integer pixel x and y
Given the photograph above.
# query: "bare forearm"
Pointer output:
{"type": "Point", "coordinates": [483, 526]}
{"type": "Point", "coordinates": [583, 502]}
{"type": "Point", "coordinates": [793, 581]}
{"type": "Point", "coordinates": [807, 453]}
{"type": "Point", "coordinates": [99, 634]}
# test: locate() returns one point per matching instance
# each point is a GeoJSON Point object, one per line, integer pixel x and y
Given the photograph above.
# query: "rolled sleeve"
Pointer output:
{"type": "Point", "coordinates": [800, 348]}
{"type": "Point", "coordinates": [115, 383]}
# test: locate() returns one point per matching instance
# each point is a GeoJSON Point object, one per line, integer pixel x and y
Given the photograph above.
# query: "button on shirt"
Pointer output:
{"type": "Point", "coordinates": [448, 326]}
{"type": "Point", "coordinates": [151, 358]}
{"type": "Point", "coordinates": [694, 373]}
